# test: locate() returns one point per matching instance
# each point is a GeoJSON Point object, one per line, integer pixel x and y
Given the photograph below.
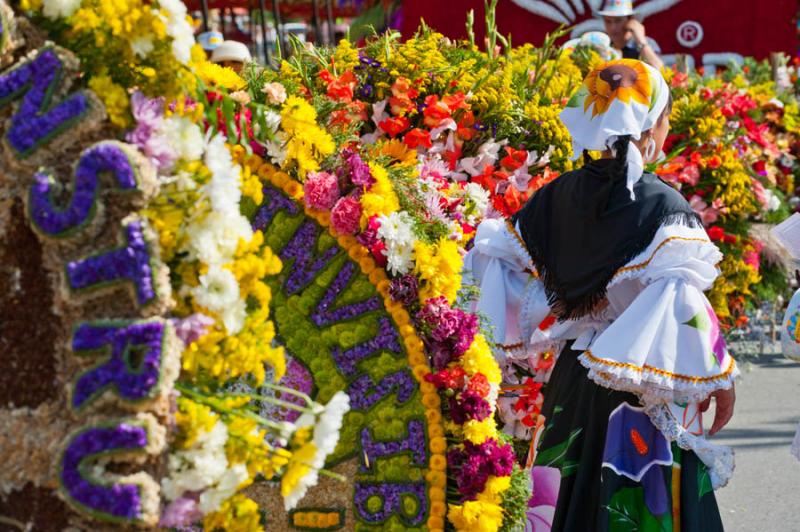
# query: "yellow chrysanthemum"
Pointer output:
{"type": "Point", "coordinates": [237, 514]}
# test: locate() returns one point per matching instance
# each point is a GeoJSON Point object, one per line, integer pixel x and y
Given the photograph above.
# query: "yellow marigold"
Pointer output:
{"type": "Point", "coordinates": [479, 431]}
{"type": "Point", "coordinates": [237, 514]}
{"type": "Point", "coordinates": [495, 487]}
{"type": "Point", "coordinates": [476, 516]}
{"type": "Point", "coordinates": [115, 99]}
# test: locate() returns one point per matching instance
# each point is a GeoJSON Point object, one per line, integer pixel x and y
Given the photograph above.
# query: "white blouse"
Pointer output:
{"type": "Point", "coordinates": [657, 337]}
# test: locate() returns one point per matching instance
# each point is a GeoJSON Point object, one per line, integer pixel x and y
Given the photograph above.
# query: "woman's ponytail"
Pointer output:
{"type": "Point", "coordinates": [620, 169]}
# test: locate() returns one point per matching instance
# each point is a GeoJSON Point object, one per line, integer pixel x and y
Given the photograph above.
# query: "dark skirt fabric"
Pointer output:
{"type": "Point", "coordinates": [605, 467]}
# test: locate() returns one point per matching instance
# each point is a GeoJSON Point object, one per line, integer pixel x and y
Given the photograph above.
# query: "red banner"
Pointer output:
{"type": "Point", "coordinates": [699, 28]}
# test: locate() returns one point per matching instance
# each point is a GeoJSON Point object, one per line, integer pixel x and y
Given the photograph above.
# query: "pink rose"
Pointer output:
{"type": "Point", "coordinates": [321, 190]}
{"type": "Point", "coordinates": [346, 215]}
{"type": "Point", "coordinates": [276, 92]}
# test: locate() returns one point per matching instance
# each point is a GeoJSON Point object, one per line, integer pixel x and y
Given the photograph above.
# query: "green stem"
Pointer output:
{"type": "Point", "coordinates": [290, 391]}
{"type": "Point", "coordinates": [214, 405]}
{"type": "Point", "coordinates": [272, 400]}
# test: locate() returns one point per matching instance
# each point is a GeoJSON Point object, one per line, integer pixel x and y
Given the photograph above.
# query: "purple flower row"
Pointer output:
{"type": "Point", "coordinates": [131, 262]}
{"type": "Point", "coordinates": [274, 201]}
{"type": "Point", "coordinates": [36, 120]}
{"type": "Point", "coordinates": [324, 315]}
{"type": "Point", "coordinates": [104, 157]}
{"type": "Point", "coordinates": [301, 248]}
{"type": "Point", "coordinates": [386, 339]}
{"type": "Point", "coordinates": [414, 442]}
{"type": "Point", "coordinates": [117, 501]}
{"type": "Point", "coordinates": [364, 393]}
{"type": "Point", "coordinates": [124, 338]}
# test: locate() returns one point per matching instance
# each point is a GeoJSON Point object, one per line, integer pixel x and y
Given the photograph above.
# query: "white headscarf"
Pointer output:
{"type": "Point", "coordinates": [620, 97]}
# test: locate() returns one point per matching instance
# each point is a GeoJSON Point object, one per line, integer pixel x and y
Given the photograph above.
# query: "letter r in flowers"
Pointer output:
{"type": "Point", "coordinates": [36, 120]}
{"type": "Point", "coordinates": [386, 340]}
{"type": "Point", "coordinates": [54, 221]}
{"type": "Point", "coordinates": [130, 262]}
{"type": "Point", "coordinates": [120, 500]}
{"type": "Point", "coordinates": [133, 367]}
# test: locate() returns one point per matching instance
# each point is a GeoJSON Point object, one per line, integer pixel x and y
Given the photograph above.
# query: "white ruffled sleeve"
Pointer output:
{"type": "Point", "coordinates": [666, 344]}
{"type": "Point", "coordinates": [510, 295]}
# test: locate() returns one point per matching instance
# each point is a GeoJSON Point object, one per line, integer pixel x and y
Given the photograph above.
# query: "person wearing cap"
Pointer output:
{"type": "Point", "coordinates": [231, 54]}
{"type": "Point", "coordinates": [628, 34]}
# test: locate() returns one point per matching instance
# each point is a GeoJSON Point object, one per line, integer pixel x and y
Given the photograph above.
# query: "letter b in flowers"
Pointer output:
{"type": "Point", "coordinates": [133, 369]}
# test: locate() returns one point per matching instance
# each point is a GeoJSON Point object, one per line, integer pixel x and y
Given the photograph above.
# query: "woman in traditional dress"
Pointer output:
{"type": "Point", "coordinates": [621, 260]}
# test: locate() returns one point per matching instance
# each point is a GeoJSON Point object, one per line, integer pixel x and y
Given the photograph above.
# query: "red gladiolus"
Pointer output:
{"type": "Point", "coordinates": [435, 111]}
{"type": "Point", "coordinates": [417, 137]}
{"type": "Point", "coordinates": [341, 88]}
{"type": "Point", "coordinates": [394, 126]}
{"type": "Point", "coordinates": [465, 129]}
{"type": "Point", "coordinates": [515, 158]}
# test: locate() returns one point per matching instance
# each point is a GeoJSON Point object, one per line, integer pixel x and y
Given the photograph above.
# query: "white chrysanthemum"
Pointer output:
{"type": "Point", "coordinates": [218, 289]}
{"type": "Point", "coordinates": [223, 189]}
{"type": "Point", "coordinates": [212, 499]}
{"type": "Point", "coordinates": [273, 120]}
{"type": "Point", "coordinates": [142, 45]}
{"type": "Point", "coordinates": [185, 137]}
{"type": "Point", "coordinates": [56, 9]}
{"type": "Point", "coordinates": [399, 259]}
{"type": "Point", "coordinates": [179, 29]}
{"type": "Point", "coordinates": [214, 239]}
{"type": "Point", "coordinates": [477, 202]}
{"type": "Point", "coordinates": [396, 230]}
{"type": "Point", "coordinates": [233, 316]}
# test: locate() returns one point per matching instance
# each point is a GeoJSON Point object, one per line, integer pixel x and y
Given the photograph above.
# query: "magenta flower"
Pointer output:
{"type": "Point", "coordinates": [320, 191]}
{"type": "Point", "coordinates": [545, 485]}
{"type": "Point", "coordinates": [346, 216]}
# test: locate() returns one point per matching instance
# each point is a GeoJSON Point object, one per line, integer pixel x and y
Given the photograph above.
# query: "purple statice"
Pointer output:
{"type": "Point", "coordinates": [38, 119]}
{"type": "Point", "coordinates": [115, 500]}
{"type": "Point", "coordinates": [301, 249]}
{"type": "Point", "coordinates": [469, 406]}
{"type": "Point", "coordinates": [364, 393]}
{"type": "Point", "coordinates": [472, 465]}
{"type": "Point", "coordinates": [274, 201]}
{"type": "Point", "coordinates": [404, 290]}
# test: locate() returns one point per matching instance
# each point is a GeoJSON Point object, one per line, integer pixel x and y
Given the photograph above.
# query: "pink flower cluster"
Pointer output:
{"type": "Point", "coordinates": [449, 331]}
{"type": "Point", "coordinates": [346, 215]}
{"type": "Point", "coordinates": [320, 191]}
{"type": "Point", "coordinates": [469, 406]}
{"type": "Point", "coordinates": [474, 464]}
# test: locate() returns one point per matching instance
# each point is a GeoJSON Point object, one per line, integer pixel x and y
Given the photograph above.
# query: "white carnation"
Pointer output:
{"type": "Point", "coordinates": [179, 29]}
{"type": "Point", "coordinates": [214, 239]}
{"type": "Point", "coordinates": [218, 289]}
{"type": "Point", "coordinates": [212, 499]}
{"type": "Point", "coordinates": [223, 189]}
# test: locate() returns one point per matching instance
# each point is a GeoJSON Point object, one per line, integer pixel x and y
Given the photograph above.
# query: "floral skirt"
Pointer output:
{"type": "Point", "coordinates": [602, 465]}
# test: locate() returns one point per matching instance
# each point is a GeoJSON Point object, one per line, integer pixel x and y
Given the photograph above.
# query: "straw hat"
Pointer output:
{"type": "Point", "coordinates": [617, 8]}
{"type": "Point", "coordinates": [231, 51]}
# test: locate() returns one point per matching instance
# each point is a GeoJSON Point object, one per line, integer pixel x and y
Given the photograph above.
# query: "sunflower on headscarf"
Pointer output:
{"type": "Point", "coordinates": [622, 79]}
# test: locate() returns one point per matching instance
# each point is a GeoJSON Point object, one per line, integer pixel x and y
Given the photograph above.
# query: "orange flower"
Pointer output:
{"type": "Point", "coordinates": [340, 88]}
{"type": "Point", "coordinates": [622, 79]}
{"type": "Point", "coordinates": [465, 129]}
{"type": "Point", "coordinates": [515, 158]}
{"type": "Point", "coordinates": [402, 88]}
{"type": "Point", "coordinates": [394, 126]}
{"type": "Point", "coordinates": [417, 137]}
{"type": "Point", "coordinates": [401, 105]}
{"type": "Point", "coordinates": [435, 111]}
{"type": "Point", "coordinates": [714, 162]}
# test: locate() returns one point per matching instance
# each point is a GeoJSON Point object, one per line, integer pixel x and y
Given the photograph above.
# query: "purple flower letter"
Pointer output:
{"type": "Point", "coordinates": [364, 393]}
{"type": "Point", "coordinates": [124, 339]}
{"type": "Point", "coordinates": [386, 340]}
{"type": "Point", "coordinates": [131, 262]}
{"type": "Point", "coordinates": [37, 121]}
{"type": "Point", "coordinates": [102, 157]}
{"type": "Point", "coordinates": [414, 443]}
{"type": "Point", "coordinates": [390, 495]}
{"type": "Point", "coordinates": [116, 501]}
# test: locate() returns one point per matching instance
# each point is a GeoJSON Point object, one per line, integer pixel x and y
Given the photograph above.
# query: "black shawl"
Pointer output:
{"type": "Point", "coordinates": [584, 226]}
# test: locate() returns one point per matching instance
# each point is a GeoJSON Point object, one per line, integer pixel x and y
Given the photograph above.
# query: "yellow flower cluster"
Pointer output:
{"type": "Point", "coordinates": [566, 78]}
{"type": "Point", "coordinates": [479, 359]}
{"type": "Point", "coordinates": [736, 278]}
{"type": "Point", "coordinates": [115, 99]}
{"type": "Point", "coordinates": [438, 267]}
{"type": "Point", "coordinates": [237, 514]}
{"type": "Point", "coordinates": [485, 514]}
{"type": "Point", "coordinates": [417, 57]}
{"type": "Point", "coordinates": [223, 356]}
{"type": "Point", "coordinates": [192, 419]}
{"type": "Point", "coordinates": [734, 185]}
{"type": "Point", "coordinates": [246, 445]}
{"type": "Point", "coordinates": [345, 56]}
{"type": "Point", "coordinates": [550, 131]}
{"type": "Point", "coordinates": [307, 143]}
{"type": "Point", "coordinates": [251, 184]}
{"type": "Point", "coordinates": [381, 198]}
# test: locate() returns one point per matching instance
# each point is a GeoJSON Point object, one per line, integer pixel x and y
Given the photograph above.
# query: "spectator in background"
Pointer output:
{"type": "Point", "coordinates": [232, 54]}
{"type": "Point", "coordinates": [627, 34]}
